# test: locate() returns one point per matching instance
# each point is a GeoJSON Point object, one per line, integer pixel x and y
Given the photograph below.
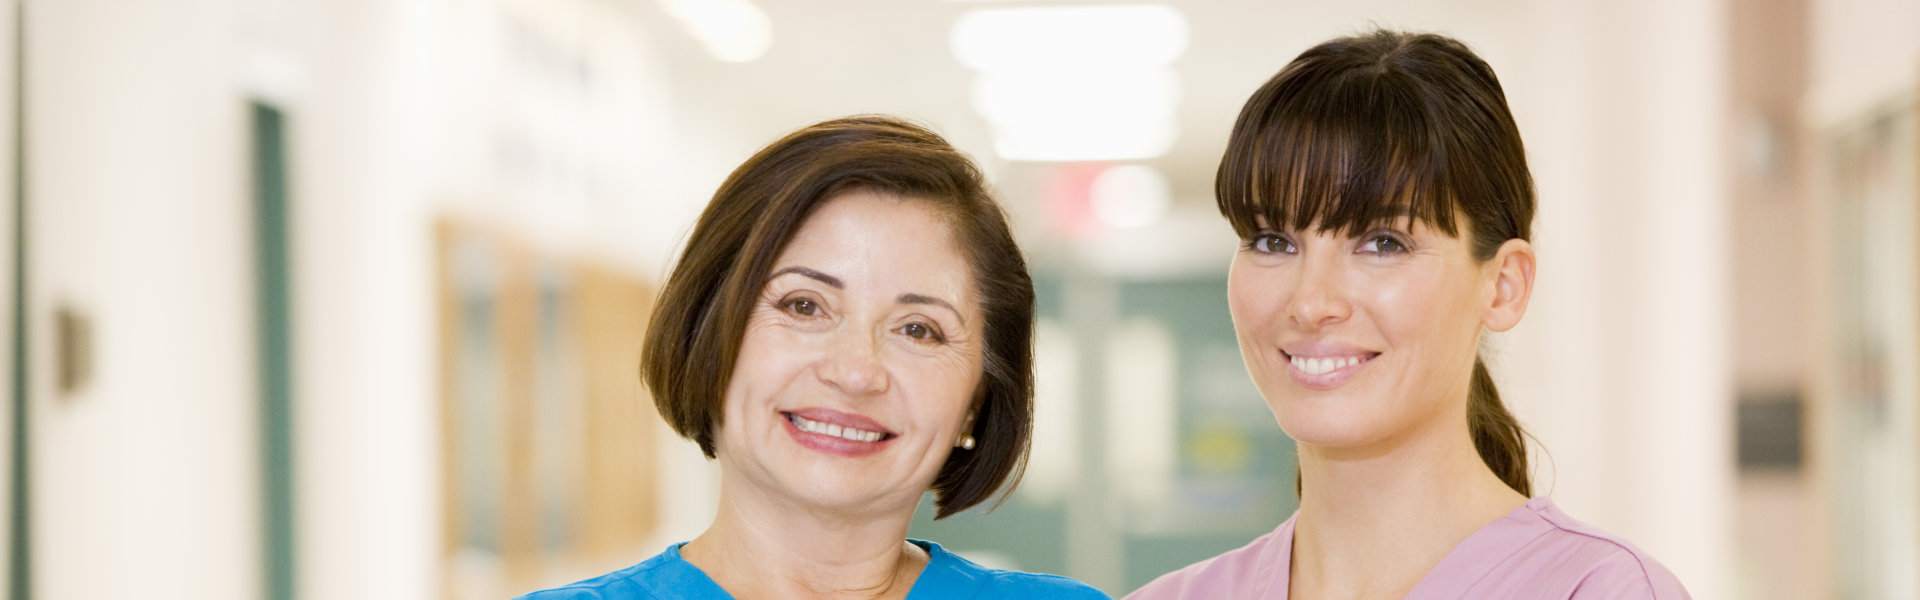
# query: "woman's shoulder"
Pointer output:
{"type": "Point", "coordinates": [665, 571]}
{"type": "Point", "coordinates": [622, 584]}
{"type": "Point", "coordinates": [1244, 572]}
{"type": "Point", "coordinates": [947, 572]}
{"type": "Point", "coordinates": [1589, 561]}
{"type": "Point", "coordinates": [1020, 584]}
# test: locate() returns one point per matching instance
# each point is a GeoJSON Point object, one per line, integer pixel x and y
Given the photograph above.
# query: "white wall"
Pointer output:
{"type": "Point", "coordinates": [365, 439]}
{"type": "Point", "coordinates": [1622, 367]}
{"type": "Point", "coordinates": [137, 176]}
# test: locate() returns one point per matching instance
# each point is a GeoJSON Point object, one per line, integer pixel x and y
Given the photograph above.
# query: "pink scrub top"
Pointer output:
{"type": "Point", "coordinates": [1536, 551]}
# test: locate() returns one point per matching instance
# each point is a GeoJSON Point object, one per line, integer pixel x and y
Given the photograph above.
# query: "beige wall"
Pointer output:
{"type": "Point", "coordinates": [1864, 57]}
{"type": "Point", "coordinates": [8, 10]}
{"type": "Point", "coordinates": [1859, 46]}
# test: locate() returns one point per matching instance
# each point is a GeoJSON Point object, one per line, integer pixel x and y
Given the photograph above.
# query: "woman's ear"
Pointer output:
{"type": "Point", "coordinates": [973, 408]}
{"type": "Point", "coordinates": [1512, 281]}
{"type": "Point", "coordinates": [964, 440]}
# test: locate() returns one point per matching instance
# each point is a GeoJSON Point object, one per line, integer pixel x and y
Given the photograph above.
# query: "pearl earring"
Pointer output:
{"type": "Point", "coordinates": [966, 442]}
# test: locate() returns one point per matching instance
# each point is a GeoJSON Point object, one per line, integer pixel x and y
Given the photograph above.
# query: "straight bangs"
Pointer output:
{"type": "Point", "coordinates": [1334, 150]}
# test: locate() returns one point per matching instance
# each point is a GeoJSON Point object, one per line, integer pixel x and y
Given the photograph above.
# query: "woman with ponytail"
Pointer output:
{"type": "Point", "coordinates": [1384, 208]}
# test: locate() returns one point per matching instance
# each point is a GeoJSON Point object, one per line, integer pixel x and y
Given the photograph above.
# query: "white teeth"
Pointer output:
{"type": "Point", "coordinates": [845, 433]}
{"type": "Point", "coordinates": [1322, 366]}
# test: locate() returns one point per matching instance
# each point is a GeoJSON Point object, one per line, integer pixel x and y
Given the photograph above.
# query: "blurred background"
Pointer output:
{"type": "Point", "coordinates": [341, 298]}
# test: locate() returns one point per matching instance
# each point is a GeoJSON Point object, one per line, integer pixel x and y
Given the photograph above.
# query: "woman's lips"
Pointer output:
{"type": "Point", "coordinates": [846, 432]}
{"type": "Point", "coordinates": [1328, 371]}
{"type": "Point", "coordinates": [835, 432]}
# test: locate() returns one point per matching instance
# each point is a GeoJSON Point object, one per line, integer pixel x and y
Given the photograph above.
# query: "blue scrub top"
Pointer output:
{"type": "Point", "coordinates": [666, 576]}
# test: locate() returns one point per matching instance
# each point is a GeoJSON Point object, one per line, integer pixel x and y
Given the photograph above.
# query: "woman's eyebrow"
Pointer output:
{"type": "Point", "coordinates": [812, 274]}
{"type": "Point", "coordinates": [840, 285]}
{"type": "Point", "coordinates": [919, 299]}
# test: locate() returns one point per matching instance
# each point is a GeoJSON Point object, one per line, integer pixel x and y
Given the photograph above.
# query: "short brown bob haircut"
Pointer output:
{"type": "Point", "coordinates": [700, 318]}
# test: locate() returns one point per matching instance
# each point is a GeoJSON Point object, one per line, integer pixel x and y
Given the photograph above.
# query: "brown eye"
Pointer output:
{"type": "Point", "coordinates": [1386, 244]}
{"type": "Point", "coordinates": [920, 331]}
{"type": "Point", "coordinates": [805, 308]}
{"type": "Point", "coordinates": [1267, 243]}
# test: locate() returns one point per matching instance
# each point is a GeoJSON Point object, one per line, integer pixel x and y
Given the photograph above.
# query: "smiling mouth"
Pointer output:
{"type": "Point", "coordinates": [1327, 364]}
{"type": "Point", "coordinates": [832, 430]}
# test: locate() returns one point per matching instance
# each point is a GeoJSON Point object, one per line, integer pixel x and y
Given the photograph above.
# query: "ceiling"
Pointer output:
{"type": "Point", "coordinates": [835, 57]}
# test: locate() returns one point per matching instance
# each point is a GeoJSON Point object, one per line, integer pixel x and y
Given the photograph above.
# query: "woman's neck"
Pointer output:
{"type": "Point", "coordinates": [763, 547]}
{"type": "Point", "coordinates": [1372, 523]}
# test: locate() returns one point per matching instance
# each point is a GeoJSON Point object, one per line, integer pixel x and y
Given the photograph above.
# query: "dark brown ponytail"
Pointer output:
{"type": "Point", "coordinates": [1496, 434]}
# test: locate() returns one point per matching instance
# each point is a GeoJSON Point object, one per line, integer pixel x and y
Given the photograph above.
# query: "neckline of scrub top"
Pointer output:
{"type": "Point", "coordinates": [946, 577]}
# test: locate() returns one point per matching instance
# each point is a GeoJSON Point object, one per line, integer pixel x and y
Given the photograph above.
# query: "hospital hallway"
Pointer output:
{"type": "Point", "coordinates": [343, 299]}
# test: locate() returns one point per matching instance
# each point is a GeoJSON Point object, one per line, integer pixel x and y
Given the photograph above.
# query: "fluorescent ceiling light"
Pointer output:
{"type": "Point", "coordinates": [1116, 96]}
{"type": "Point", "coordinates": [1007, 39]}
{"type": "Point", "coordinates": [1102, 115]}
{"type": "Point", "coordinates": [1066, 139]}
{"type": "Point", "coordinates": [731, 30]}
{"type": "Point", "coordinates": [1075, 83]}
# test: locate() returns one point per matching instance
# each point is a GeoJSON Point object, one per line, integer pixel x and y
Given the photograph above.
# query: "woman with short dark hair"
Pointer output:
{"type": "Point", "coordinates": [1384, 209]}
{"type": "Point", "coordinates": [849, 327]}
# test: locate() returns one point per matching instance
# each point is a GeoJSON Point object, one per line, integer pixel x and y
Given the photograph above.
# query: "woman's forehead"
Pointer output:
{"type": "Point", "coordinates": [882, 240]}
{"type": "Point", "coordinates": [1349, 219]}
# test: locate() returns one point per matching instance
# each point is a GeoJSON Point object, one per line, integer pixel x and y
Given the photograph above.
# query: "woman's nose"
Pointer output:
{"type": "Point", "coordinates": [1319, 295]}
{"type": "Point", "coordinates": [852, 363]}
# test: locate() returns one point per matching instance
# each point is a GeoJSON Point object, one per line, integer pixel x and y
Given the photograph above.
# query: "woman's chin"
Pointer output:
{"type": "Point", "coordinates": [1313, 428]}
{"type": "Point", "coordinates": [830, 493]}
